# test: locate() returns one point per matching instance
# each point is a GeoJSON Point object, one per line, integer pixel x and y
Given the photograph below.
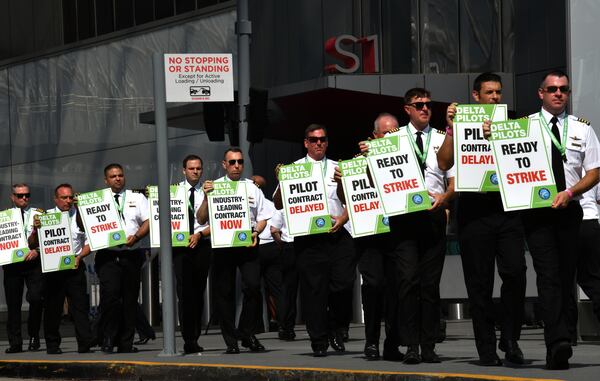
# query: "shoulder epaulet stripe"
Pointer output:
{"type": "Point", "coordinates": [585, 121]}
{"type": "Point", "coordinates": [39, 210]}
{"type": "Point", "coordinates": [440, 131]}
{"type": "Point", "coordinates": [142, 191]}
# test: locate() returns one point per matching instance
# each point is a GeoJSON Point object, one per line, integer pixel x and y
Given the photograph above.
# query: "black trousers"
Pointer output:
{"type": "Point", "coordinates": [376, 264]}
{"type": "Point", "coordinates": [327, 268]}
{"type": "Point", "coordinates": [278, 269]}
{"type": "Point", "coordinates": [16, 276]}
{"type": "Point", "coordinates": [142, 326]}
{"type": "Point", "coordinates": [552, 240]}
{"type": "Point", "coordinates": [588, 266]}
{"type": "Point", "coordinates": [191, 272]}
{"type": "Point", "coordinates": [419, 245]}
{"type": "Point", "coordinates": [487, 236]}
{"type": "Point", "coordinates": [71, 284]}
{"type": "Point", "coordinates": [225, 263]}
{"type": "Point", "coordinates": [119, 274]}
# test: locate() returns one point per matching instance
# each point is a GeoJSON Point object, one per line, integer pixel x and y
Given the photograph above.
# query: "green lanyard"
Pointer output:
{"type": "Point", "coordinates": [422, 155]}
{"type": "Point", "coordinates": [324, 160]}
{"type": "Point", "coordinates": [562, 147]}
{"type": "Point", "coordinates": [121, 204]}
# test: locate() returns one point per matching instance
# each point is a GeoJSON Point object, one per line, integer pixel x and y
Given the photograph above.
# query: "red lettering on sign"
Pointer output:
{"type": "Point", "coordinates": [104, 227]}
{"type": "Point", "coordinates": [526, 177]}
{"type": "Point", "coordinates": [231, 224]}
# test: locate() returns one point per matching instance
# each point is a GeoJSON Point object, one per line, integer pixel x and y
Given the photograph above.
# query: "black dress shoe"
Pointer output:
{"type": "Point", "coordinates": [107, 346]}
{"type": "Point", "coordinates": [491, 359]}
{"type": "Point", "coordinates": [34, 344]}
{"type": "Point", "coordinates": [512, 352]}
{"type": "Point", "coordinates": [13, 349]}
{"type": "Point", "coordinates": [142, 341]}
{"type": "Point", "coordinates": [84, 349]}
{"type": "Point", "coordinates": [412, 356]}
{"type": "Point", "coordinates": [54, 351]}
{"type": "Point", "coordinates": [392, 355]}
{"type": "Point", "coordinates": [107, 349]}
{"type": "Point", "coordinates": [428, 354]}
{"type": "Point", "coordinates": [337, 343]}
{"type": "Point", "coordinates": [371, 352]}
{"type": "Point", "coordinates": [232, 349]}
{"type": "Point", "coordinates": [128, 350]}
{"type": "Point", "coordinates": [345, 335]}
{"type": "Point", "coordinates": [558, 356]}
{"type": "Point", "coordinates": [253, 344]}
{"type": "Point", "coordinates": [287, 334]}
{"type": "Point", "coordinates": [191, 348]}
{"type": "Point", "coordinates": [320, 352]}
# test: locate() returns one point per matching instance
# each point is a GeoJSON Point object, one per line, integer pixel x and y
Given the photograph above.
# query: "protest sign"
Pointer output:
{"type": "Point", "coordinates": [304, 199]}
{"type": "Point", "coordinates": [362, 200]}
{"type": "Point", "coordinates": [56, 242]}
{"type": "Point", "coordinates": [180, 229]}
{"type": "Point", "coordinates": [229, 216]}
{"type": "Point", "coordinates": [13, 243]}
{"type": "Point", "coordinates": [522, 164]}
{"type": "Point", "coordinates": [101, 218]}
{"type": "Point", "coordinates": [473, 159]}
{"type": "Point", "coordinates": [397, 175]}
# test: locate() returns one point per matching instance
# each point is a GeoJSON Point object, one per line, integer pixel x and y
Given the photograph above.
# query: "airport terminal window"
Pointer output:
{"type": "Point", "coordinates": [164, 8]}
{"type": "Point", "coordinates": [143, 11]}
{"type": "Point", "coordinates": [182, 6]}
{"type": "Point", "coordinates": [86, 25]}
{"type": "Point", "coordinates": [104, 17]}
{"type": "Point", "coordinates": [446, 36]}
{"type": "Point", "coordinates": [480, 48]}
{"type": "Point", "coordinates": [83, 19]}
{"type": "Point", "coordinates": [439, 36]}
{"type": "Point", "coordinates": [124, 14]}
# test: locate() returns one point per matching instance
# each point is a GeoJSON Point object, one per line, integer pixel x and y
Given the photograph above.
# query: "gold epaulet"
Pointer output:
{"type": "Point", "coordinates": [40, 210]}
{"type": "Point", "coordinates": [142, 191]}
{"type": "Point", "coordinates": [363, 154]}
{"type": "Point", "coordinates": [442, 132]}
{"type": "Point", "coordinates": [393, 130]}
{"type": "Point", "coordinates": [585, 121]}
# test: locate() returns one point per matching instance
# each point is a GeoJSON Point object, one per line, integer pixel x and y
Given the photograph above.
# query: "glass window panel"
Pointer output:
{"type": "Point", "coordinates": [144, 11]}
{"type": "Point", "coordinates": [479, 35]}
{"type": "Point", "coordinates": [123, 14]}
{"type": "Point", "coordinates": [104, 17]}
{"type": "Point", "coordinates": [439, 36]}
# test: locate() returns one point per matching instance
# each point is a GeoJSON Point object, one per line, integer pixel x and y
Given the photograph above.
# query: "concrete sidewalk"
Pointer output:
{"type": "Point", "coordinates": [294, 361]}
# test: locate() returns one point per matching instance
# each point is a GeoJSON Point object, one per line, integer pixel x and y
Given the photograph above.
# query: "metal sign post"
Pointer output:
{"type": "Point", "coordinates": [166, 254]}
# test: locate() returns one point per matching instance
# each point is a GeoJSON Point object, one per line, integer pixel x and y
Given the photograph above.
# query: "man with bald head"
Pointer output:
{"type": "Point", "coordinates": [374, 264]}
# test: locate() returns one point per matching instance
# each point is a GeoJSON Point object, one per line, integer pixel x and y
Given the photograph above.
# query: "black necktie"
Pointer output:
{"type": "Point", "coordinates": [23, 215]}
{"type": "Point", "coordinates": [557, 159]}
{"type": "Point", "coordinates": [419, 142]}
{"type": "Point", "coordinates": [118, 206]}
{"type": "Point", "coordinates": [191, 217]}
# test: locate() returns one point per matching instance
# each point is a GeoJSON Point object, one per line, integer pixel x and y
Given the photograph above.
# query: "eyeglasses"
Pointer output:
{"type": "Point", "coordinates": [420, 105]}
{"type": "Point", "coordinates": [314, 139]}
{"type": "Point", "coordinates": [563, 89]}
{"type": "Point", "coordinates": [22, 195]}
{"type": "Point", "coordinates": [233, 161]}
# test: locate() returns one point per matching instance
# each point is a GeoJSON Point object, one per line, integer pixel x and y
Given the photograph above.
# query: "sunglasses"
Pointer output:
{"type": "Point", "coordinates": [233, 161]}
{"type": "Point", "coordinates": [420, 105]}
{"type": "Point", "coordinates": [552, 89]}
{"type": "Point", "coordinates": [314, 139]}
{"type": "Point", "coordinates": [22, 195]}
